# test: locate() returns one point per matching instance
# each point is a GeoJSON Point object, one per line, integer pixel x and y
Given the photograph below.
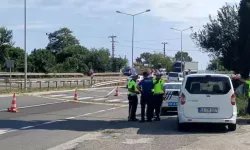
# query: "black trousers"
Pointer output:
{"type": "Point", "coordinates": [133, 102]}
{"type": "Point", "coordinates": [158, 99]}
{"type": "Point", "coordinates": [146, 99]}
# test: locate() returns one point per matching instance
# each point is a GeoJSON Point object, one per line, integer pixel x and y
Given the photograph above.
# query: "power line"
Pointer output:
{"type": "Point", "coordinates": [152, 48]}
{"type": "Point", "coordinates": [164, 49]}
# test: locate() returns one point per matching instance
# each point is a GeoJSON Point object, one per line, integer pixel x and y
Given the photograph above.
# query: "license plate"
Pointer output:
{"type": "Point", "coordinates": [207, 110]}
{"type": "Point", "coordinates": [172, 103]}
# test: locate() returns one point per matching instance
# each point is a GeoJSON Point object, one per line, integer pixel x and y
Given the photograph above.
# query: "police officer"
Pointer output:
{"type": "Point", "coordinates": [159, 94]}
{"type": "Point", "coordinates": [132, 98]}
{"type": "Point", "coordinates": [145, 87]}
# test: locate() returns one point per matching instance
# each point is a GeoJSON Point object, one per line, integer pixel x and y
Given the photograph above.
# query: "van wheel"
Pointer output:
{"type": "Point", "coordinates": [181, 126]}
{"type": "Point", "coordinates": [232, 127]}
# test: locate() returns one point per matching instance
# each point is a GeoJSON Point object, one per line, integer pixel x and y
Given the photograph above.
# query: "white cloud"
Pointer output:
{"type": "Point", "coordinates": [31, 25]}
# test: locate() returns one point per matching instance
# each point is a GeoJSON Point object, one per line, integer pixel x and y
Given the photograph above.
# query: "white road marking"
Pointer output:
{"type": "Point", "coordinates": [114, 100]}
{"type": "Point", "coordinates": [82, 98]}
{"type": "Point", "coordinates": [99, 99]}
{"type": "Point", "coordinates": [124, 102]}
{"type": "Point", "coordinates": [54, 121]}
{"type": "Point", "coordinates": [73, 143]}
{"type": "Point", "coordinates": [59, 95]}
{"type": "Point", "coordinates": [37, 105]}
{"type": "Point", "coordinates": [68, 97]}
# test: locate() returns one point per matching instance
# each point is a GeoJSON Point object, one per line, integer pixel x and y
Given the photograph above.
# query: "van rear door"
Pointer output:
{"type": "Point", "coordinates": [208, 97]}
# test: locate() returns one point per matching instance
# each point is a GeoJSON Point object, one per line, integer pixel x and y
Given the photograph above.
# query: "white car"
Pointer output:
{"type": "Point", "coordinates": [207, 98]}
{"type": "Point", "coordinates": [137, 81]}
{"type": "Point", "coordinates": [172, 96]}
{"type": "Point", "coordinates": [175, 76]}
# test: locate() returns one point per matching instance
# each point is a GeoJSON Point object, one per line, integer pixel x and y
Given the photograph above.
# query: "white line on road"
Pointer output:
{"type": "Point", "coordinates": [114, 100]}
{"type": "Point", "coordinates": [68, 97]}
{"type": "Point", "coordinates": [99, 99]}
{"type": "Point", "coordinates": [82, 98]}
{"type": "Point", "coordinates": [59, 95]}
{"type": "Point", "coordinates": [37, 105]}
{"type": "Point", "coordinates": [50, 122]}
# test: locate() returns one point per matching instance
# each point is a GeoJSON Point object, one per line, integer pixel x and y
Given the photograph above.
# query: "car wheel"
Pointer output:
{"type": "Point", "coordinates": [232, 127]}
{"type": "Point", "coordinates": [181, 126]}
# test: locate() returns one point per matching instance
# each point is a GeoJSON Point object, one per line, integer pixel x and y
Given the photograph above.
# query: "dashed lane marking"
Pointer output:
{"type": "Point", "coordinates": [114, 100]}
{"type": "Point", "coordinates": [83, 98]}
{"type": "Point", "coordinates": [100, 99]}
{"type": "Point", "coordinates": [59, 120]}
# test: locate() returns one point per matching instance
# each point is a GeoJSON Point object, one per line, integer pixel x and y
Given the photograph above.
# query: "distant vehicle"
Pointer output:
{"type": "Point", "coordinates": [207, 98]}
{"type": "Point", "coordinates": [175, 76]}
{"type": "Point", "coordinates": [172, 96]}
{"type": "Point", "coordinates": [163, 71]}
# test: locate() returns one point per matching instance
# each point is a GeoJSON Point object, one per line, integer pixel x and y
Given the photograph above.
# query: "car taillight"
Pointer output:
{"type": "Point", "coordinates": [233, 97]}
{"type": "Point", "coordinates": [183, 99]}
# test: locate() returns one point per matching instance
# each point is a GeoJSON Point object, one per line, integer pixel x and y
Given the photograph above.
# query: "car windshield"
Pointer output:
{"type": "Point", "coordinates": [173, 74]}
{"type": "Point", "coordinates": [208, 85]}
{"type": "Point", "coordinates": [173, 86]}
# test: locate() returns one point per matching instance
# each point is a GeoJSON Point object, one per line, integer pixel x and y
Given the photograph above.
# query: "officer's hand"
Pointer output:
{"type": "Point", "coordinates": [164, 96]}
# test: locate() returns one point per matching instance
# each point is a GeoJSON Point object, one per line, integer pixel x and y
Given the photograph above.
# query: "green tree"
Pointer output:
{"type": "Point", "coordinates": [219, 37]}
{"type": "Point", "coordinates": [16, 54]}
{"type": "Point", "coordinates": [42, 60]}
{"type": "Point", "coordinates": [185, 56]}
{"type": "Point", "coordinates": [215, 64]}
{"type": "Point", "coordinates": [159, 61]}
{"type": "Point", "coordinates": [6, 37]}
{"type": "Point", "coordinates": [61, 39]}
{"type": "Point", "coordinates": [244, 38]}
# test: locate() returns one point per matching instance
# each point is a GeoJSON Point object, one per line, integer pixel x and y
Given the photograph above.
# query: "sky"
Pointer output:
{"type": "Point", "coordinates": [93, 21]}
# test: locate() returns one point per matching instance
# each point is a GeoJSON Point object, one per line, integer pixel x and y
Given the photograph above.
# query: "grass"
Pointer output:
{"type": "Point", "coordinates": [242, 103]}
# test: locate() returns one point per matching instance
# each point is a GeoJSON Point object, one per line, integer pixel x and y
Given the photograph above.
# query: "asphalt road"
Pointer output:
{"type": "Point", "coordinates": [100, 124]}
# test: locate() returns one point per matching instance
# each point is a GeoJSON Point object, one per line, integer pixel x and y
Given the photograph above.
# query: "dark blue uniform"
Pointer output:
{"type": "Point", "coordinates": [146, 98]}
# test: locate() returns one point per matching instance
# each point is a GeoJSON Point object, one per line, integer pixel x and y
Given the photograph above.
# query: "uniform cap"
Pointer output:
{"type": "Point", "coordinates": [158, 74]}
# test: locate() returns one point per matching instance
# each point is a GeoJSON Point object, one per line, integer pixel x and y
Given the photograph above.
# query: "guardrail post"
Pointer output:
{"type": "Point", "coordinates": [70, 83]}
{"type": "Point", "coordinates": [77, 83]}
{"type": "Point", "coordinates": [83, 83]}
{"type": "Point", "coordinates": [56, 84]}
{"type": "Point", "coordinates": [48, 84]}
{"type": "Point", "coordinates": [30, 84]}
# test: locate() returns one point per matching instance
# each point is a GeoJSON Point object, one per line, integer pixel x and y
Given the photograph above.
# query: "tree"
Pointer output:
{"type": "Point", "coordinates": [185, 56]}
{"type": "Point", "coordinates": [216, 64]}
{"type": "Point", "coordinates": [219, 37]}
{"type": "Point", "coordinates": [5, 42]}
{"type": "Point", "coordinates": [61, 39]}
{"type": "Point", "coordinates": [16, 54]}
{"type": "Point", "coordinates": [244, 38]}
{"type": "Point", "coordinates": [42, 60]}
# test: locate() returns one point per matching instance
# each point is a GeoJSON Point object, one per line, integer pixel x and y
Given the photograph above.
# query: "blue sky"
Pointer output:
{"type": "Point", "coordinates": [92, 21]}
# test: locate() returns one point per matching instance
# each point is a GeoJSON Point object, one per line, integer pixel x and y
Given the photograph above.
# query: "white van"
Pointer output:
{"type": "Point", "coordinates": [175, 76]}
{"type": "Point", "coordinates": [207, 98]}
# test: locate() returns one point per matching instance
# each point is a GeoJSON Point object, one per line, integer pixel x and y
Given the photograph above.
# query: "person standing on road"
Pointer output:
{"type": "Point", "coordinates": [132, 98]}
{"type": "Point", "coordinates": [159, 94]}
{"type": "Point", "coordinates": [145, 87]}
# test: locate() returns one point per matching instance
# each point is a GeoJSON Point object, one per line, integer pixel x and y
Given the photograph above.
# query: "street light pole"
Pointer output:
{"type": "Point", "coordinates": [133, 15]}
{"type": "Point", "coordinates": [25, 56]}
{"type": "Point", "coordinates": [133, 34]}
{"type": "Point", "coordinates": [181, 41]}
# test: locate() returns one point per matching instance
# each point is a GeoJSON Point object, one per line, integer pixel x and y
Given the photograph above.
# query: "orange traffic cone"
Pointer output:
{"type": "Point", "coordinates": [13, 107]}
{"type": "Point", "coordinates": [76, 96]}
{"type": "Point", "coordinates": [116, 92]}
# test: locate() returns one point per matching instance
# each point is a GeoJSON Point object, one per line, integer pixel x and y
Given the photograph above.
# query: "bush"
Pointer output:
{"type": "Point", "coordinates": [242, 103]}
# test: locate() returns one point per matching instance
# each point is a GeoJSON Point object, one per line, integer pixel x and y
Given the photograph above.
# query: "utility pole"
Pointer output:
{"type": "Point", "coordinates": [113, 45]}
{"type": "Point", "coordinates": [164, 49]}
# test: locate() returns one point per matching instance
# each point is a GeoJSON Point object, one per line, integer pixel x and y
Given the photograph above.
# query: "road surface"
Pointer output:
{"type": "Point", "coordinates": [50, 121]}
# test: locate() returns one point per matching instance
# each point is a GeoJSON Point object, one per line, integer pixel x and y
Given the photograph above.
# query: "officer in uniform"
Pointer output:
{"type": "Point", "coordinates": [132, 98]}
{"type": "Point", "coordinates": [158, 94]}
{"type": "Point", "coordinates": [145, 87]}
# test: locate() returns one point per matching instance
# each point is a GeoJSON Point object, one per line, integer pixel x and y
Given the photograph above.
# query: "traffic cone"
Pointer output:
{"type": "Point", "coordinates": [76, 96]}
{"type": "Point", "coordinates": [13, 107]}
{"type": "Point", "coordinates": [116, 92]}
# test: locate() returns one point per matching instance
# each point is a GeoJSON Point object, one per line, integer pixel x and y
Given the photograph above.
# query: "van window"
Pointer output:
{"type": "Point", "coordinates": [208, 85]}
{"type": "Point", "coordinates": [173, 75]}
{"type": "Point", "coordinates": [173, 86]}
